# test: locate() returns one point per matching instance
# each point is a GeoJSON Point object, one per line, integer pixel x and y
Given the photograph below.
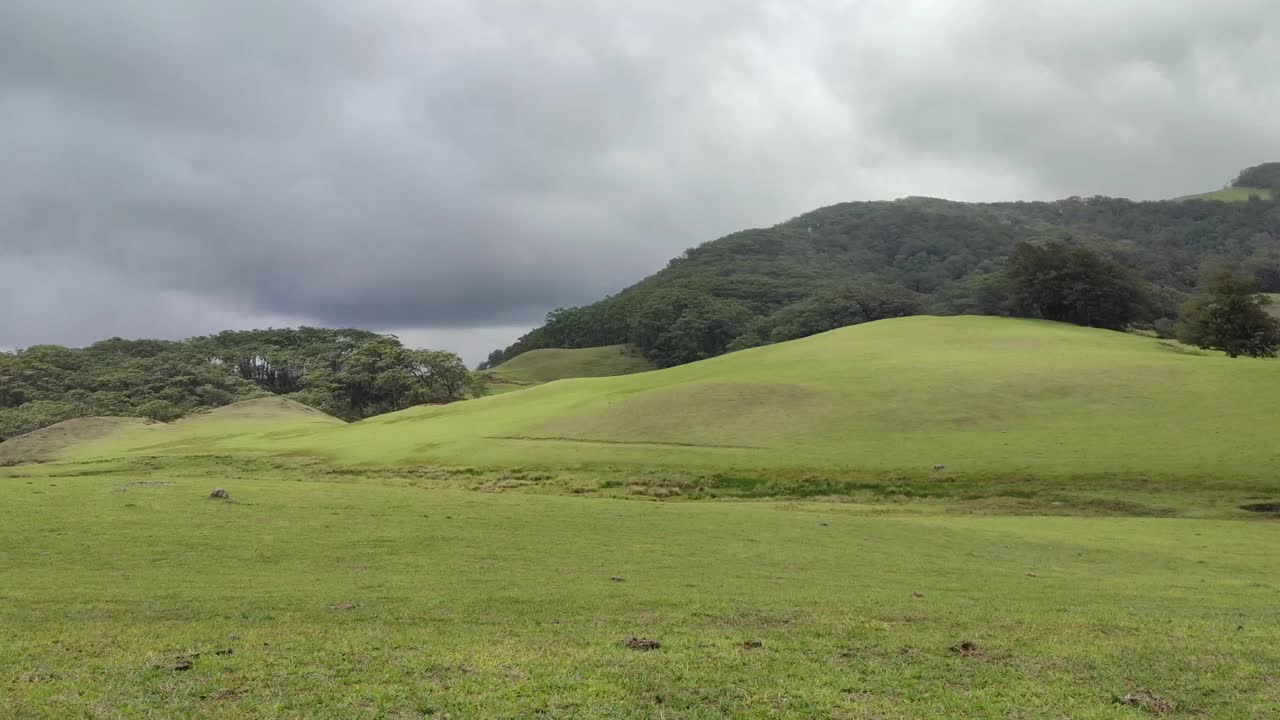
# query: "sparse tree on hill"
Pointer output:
{"type": "Point", "coordinates": [1231, 316]}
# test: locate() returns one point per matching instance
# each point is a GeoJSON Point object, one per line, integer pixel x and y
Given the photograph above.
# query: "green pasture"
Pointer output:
{"type": "Point", "coordinates": [366, 597]}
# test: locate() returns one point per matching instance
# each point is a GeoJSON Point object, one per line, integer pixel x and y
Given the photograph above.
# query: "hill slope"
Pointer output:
{"type": "Point", "coordinates": [977, 394]}
{"type": "Point", "coordinates": [872, 260]}
{"type": "Point", "coordinates": [262, 421]}
{"type": "Point", "coordinates": [550, 364]}
{"type": "Point", "coordinates": [1233, 194]}
{"type": "Point", "coordinates": [49, 442]}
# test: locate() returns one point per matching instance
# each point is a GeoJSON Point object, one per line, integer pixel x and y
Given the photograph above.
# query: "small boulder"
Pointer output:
{"type": "Point", "coordinates": [220, 494]}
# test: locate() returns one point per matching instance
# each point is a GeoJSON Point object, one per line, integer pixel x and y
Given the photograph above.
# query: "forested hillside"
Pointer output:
{"type": "Point", "coordinates": [347, 373]}
{"type": "Point", "coordinates": [862, 261]}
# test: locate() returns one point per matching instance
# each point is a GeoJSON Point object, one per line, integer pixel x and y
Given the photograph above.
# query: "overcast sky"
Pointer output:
{"type": "Point", "coordinates": [452, 170]}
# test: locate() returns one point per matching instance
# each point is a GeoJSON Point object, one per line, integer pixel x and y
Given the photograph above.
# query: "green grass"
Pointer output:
{"type": "Point", "coordinates": [983, 396]}
{"type": "Point", "coordinates": [805, 561]}
{"type": "Point", "coordinates": [1232, 194]}
{"type": "Point", "coordinates": [502, 605]}
{"type": "Point", "coordinates": [547, 365]}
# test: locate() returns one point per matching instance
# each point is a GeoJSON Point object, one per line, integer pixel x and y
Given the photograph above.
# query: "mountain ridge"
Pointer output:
{"type": "Point", "coordinates": [866, 260]}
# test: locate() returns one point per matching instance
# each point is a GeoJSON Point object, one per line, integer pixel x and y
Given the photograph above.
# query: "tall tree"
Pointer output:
{"type": "Point", "coordinates": [1231, 316]}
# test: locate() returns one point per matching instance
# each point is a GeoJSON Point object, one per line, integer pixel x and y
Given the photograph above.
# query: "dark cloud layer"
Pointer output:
{"type": "Point", "coordinates": [452, 169]}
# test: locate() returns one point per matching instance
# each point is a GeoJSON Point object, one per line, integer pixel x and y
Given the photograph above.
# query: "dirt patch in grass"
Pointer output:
{"type": "Point", "coordinates": [1266, 507]}
{"type": "Point", "coordinates": [178, 663]}
{"type": "Point", "coordinates": [1147, 701]}
{"type": "Point", "coordinates": [643, 644]}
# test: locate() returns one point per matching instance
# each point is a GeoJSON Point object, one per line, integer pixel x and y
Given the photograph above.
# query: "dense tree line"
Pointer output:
{"type": "Point", "coordinates": [347, 373]}
{"type": "Point", "coordinates": [923, 255]}
{"type": "Point", "coordinates": [1266, 176]}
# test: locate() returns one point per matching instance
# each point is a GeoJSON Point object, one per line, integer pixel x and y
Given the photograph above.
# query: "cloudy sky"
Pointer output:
{"type": "Point", "coordinates": [451, 170]}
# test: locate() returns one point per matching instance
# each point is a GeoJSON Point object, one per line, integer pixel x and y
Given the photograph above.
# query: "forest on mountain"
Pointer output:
{"type": "Point", "coordinates": [862, 261]}
{"type": "Point", "coordinates": [347, 373]}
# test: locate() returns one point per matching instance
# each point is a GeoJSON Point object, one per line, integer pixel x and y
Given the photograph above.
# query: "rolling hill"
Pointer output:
{"type": "Point", "coordinates": [50, 442]}
{"type": "Point", "coordinates": [263, 422]}
{"type": "Point", "coordinates": [549, 364]}
{"type": "Point", "coordinates": [983, 395]}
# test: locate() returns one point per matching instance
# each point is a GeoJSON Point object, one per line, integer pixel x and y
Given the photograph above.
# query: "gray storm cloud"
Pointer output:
{"type": "Point", "coordinates": [453, 170]}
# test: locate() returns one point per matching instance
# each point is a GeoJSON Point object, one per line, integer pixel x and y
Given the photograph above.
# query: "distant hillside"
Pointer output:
{"type": "Point", "coordinates": [349, 373]}
{"type": "Point", "coordinates": [863, 261]}
{"type": "Point", "coordinates": [980, 395]}
{"type": "Point", "coordinates": [1233, 194]}
{"type": "Point", "coordinates": [546, 365]}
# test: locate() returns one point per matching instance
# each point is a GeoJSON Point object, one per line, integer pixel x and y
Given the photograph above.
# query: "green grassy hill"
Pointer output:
{"type": "Point", "coordinates": [1232, 195]}
{"type": "Point", "coordinates": [546, 365]}
{"type": "Point", "coordinates": [253, 425]}
{"type": "Point", "coordinates": [50, 442]}
{"type": "Point", "coordinates": [982, 395]}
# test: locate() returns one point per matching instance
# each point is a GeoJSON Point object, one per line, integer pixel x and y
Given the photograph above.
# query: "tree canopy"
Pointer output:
{"type": "Point", "coordinates": [1231, 316]}
{"type": "Point", "coordinates": [347, 373]}
{"type": "Point", "coordinates": [1265, 176]}
{"type": "Point", "coordinates": [1074, 284]}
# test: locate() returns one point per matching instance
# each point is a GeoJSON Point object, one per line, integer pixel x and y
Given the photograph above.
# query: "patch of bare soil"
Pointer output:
{"type": "Point", "coordinates": [1266, 507]}
{"type": "Point", "coordinates": [643, 644]}
{"type": "Point", "coordinates": [1146, 700]}
{"type": "Point", "coordinates": [343, 606]}
{"type": "Point", "coordinates": [178, 663]}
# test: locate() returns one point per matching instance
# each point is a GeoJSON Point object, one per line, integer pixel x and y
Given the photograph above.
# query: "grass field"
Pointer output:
{"type": "Point", "coordinates": [481, 605]}
{"type": "Point", "coordinates": [1232, 194]}
{"type": "Point", "coordinates": [546, 365]}
{"type": "Point", "coordinates": [771, 518]}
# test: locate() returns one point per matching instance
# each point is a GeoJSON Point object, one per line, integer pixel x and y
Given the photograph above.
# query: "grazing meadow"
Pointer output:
{"type": "Point", "coordinates": [924, 517]}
